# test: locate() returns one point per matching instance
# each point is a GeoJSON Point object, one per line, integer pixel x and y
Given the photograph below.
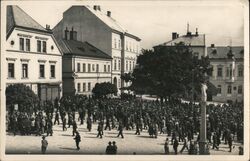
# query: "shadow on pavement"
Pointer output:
{"type": "Point", "coordinates": [68, 148]}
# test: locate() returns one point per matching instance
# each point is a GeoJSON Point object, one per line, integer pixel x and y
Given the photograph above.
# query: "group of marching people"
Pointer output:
{"type": "Point", "coordinates": [180, 121]}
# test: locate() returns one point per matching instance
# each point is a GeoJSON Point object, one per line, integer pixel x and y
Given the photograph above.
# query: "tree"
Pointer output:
{"type": "Point", "coordinates": [169, 72]}
{"type": "Point", "coordinates": [101, 90]}
{"type": "Point", "coordinates": [22, 95]}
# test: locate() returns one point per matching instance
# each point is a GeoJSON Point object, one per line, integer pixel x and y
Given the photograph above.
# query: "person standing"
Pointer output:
{"type": "Point", "coordinates": [74, 128]}
{"type": "Point", "coordinates": [77, 140]}
{"type": "Point", "coordinates": [175, 146]}
{"type": "Point", "coordinates": [166, 146]}
{"type": "Point", "coordinates": [56, 118]}
{"type": "Point", "coordinates": [230, 142]}
{"type": "Point", "coordinates": [109, 148]}
{"type": "Point", "coordinates": [114, 148]}
{"type": "Point", "coordinates": [120, 128]}
{"type": "Point", "coordinates": [99, 129]}
{"type": "Point", "coordinates": [44, 145]}
{"type": "Point", "coordinates": [215, 141]}
{"type": "Point", "coordinates": [89, 123]}
{"type": "Point", "coordinates": [64, 123]}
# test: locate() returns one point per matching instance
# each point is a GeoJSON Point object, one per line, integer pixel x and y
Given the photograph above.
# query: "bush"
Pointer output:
{"type": "Point", "coordinates": [22, 95]}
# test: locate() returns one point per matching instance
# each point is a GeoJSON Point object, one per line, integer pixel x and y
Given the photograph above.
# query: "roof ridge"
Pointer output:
{"type": "Point", "coordinates": [29, 16]}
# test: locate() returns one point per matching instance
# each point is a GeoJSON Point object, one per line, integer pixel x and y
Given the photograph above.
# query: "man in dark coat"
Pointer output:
{"type": "Point", "coordinates": [64, 123]}
{"type": "Point", "coordinates": [109, 148]}
{"type": "Point", "coordinates": [74, 128]}
{"type": "Point", "coordinates": [99, 129]}
{"type": "Point", "coordinates": [230, 142]}
{"type": "Point", "coordinates": [175, 146]}
{"type": "Point", "coordinates": [77, 140]}
{"type": "Point", "coordinates": [56, 118]}
{"type": "Point", "coordinates": [120, 128]}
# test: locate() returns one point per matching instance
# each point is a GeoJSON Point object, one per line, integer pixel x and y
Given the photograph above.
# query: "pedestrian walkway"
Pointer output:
{"type": "Point", "coordinates": [62, 142]}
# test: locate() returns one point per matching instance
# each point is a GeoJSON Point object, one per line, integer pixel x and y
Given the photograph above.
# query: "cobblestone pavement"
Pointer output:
{"type": "Point", "coordinates": [62, 142]}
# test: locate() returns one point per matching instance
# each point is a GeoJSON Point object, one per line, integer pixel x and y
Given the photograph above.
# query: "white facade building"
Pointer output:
{"type": "Point", "coordinates": [32, 55]}
{"type": "Point", "coordinates": [100, 29]}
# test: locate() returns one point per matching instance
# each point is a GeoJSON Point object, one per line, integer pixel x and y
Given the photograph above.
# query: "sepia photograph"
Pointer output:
{"type": "Point", "coordinates": [125, 78]}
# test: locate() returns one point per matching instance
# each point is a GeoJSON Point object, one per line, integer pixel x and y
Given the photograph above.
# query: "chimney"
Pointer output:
{"type": "Point", "coordinates": [212, 46]}
{"type": "Point", "coordinates": [99, 8]}
{"type": "Point", "coordinates": [47, 27]}
{"type": "Point", "coordinates": [95, 7]}
{"type": "Point", "coordinates": [196, 32]}
{"type": "Point", "coordinates": [73, 34]}
{"type": "Point", "coordinates": [109, 13]}
{"type": "Point", "coordinates": [66, 34]}
{"type": "Point", "coordinates": [174, 35]}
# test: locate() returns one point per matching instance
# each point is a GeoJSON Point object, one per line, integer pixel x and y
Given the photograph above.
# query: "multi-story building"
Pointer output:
{"type": "Point", "coordinates": [105, 33]}
{"type": "Point", "coordinates": [32, 55]}
{"type": "Point", "coordinates": [83, 65]}
{"type": "Point", "coordinates": [227, 76]}
{"type": "Point", "coordinates": [196, 42]}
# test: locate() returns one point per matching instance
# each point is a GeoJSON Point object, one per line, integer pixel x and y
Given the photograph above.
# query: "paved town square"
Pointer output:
{"type": "Point", "coordinates": [62, 143]}
{"type": "Point", "coordinates": [134, 79]}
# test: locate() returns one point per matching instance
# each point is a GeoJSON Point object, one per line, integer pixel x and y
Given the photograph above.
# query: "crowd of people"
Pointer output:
{"type": "Point", "coordinates": [179, 120]}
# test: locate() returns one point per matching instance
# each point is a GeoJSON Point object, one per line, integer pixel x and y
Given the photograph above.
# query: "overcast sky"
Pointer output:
{"type": "Point", "coordinates": [154, 22]}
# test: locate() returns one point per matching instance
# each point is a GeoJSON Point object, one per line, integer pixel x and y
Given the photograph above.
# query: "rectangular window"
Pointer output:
{"type": "Point", "coordinates": [119, 43]}
{"type": "Point", "coordinates": [11, 70]}
{"type": "Point", "coordinates": [126, 65]}
{"type": "Point", "coordinates": [78, 67]}
{"type": "Point", "coordinates": [38, 46]}
{"type": "Point", "coordinates": [115, 46]}
{"type": "Point", "coordinates": [27, 44]}
{"type": "Point", "coordinates": [97, 68]}
{"type": "Point", "coordinates": [240, 71]}
{"type": "Point", "coordinates": [240, 90]}
{"type": "Point", "coordinates": [84, 67]}
{"type": "Point", "coordinates": [21, 44]}
{"type": "Point", "coordinates": [93, 67]}
{"type": "Point", "coordinates": [219, 89]}
{"type": "Point", "coordinates": [78, 87]}
{"type": "Point", "coordinates": [89, 86]}
{"type": "Point", "coordinates": [229, 71]}
{"type": "Point", "coordinates": [52, 71]}
{"type": "Point", "coordinates": [42, 70]}
{"type": "Point", "coordinates": [130, 66]}
{"type": "Point", "coordinates": [219, 72]}
{"type": "Point", "coordinates": [84, 87]}
{"type": "Point", "coordinates": [105, 70]}
{"type": "Point", "coordinates": [108, 68]}
{"type": "Point", "coordinates": [24, 70]}
{"type": "Point", "coordinates": [229, 89]}
{"type": "Point", "coordinates": [115, 64]}
{"type": "Point", "coordinates": [127, 45]}
{"type": "Point", "coordinates": [119, 64]}
{"type": "Point", "coordinates": [89, 68]}
{"type": "Point", "coordinates": [44, 46]}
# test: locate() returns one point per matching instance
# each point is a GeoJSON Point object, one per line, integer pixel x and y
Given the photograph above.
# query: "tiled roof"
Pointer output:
{"type": "Point", "coordinates": [112, 23]}
{"type": "Point", "coordinates": [17, 17]}
{"type": "Point", "coordinates": [73, 47]}
{"type": "Point", "coordinates": [109, 21]}
{"type": "Point", "coordinates": [220, 52]}
{"type": "Point", "coordinates": [193, 40]}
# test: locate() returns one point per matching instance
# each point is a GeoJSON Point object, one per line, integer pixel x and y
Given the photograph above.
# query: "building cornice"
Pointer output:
{"type": "Point", "coordinates": [37, 53]}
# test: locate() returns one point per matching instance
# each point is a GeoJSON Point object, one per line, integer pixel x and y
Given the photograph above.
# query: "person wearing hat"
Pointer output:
{"type": "Point", "coordinates": [114, 148]}
{"type": "Point", "coordinates": [44, 145]}
{"type": "Point", "coordinates": [109, 148]}
{"type": "Point", "coordinates": [77, 140]}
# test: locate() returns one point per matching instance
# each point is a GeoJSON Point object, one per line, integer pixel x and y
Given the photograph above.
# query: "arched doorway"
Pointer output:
{"type": "Point", "coordinates": [115, 83]}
